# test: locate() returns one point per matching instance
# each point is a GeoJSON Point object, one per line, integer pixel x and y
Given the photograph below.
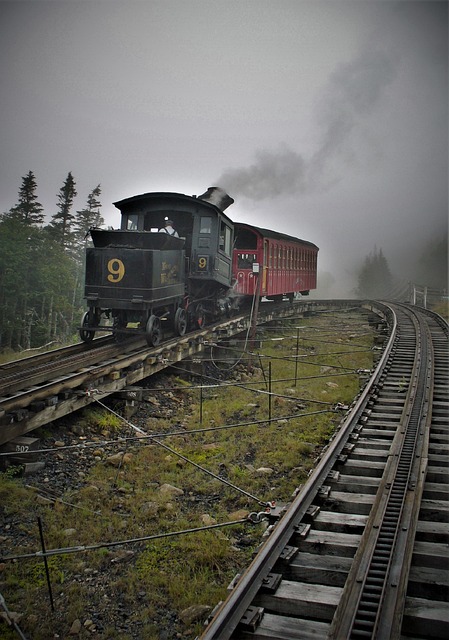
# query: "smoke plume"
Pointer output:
{"type": "Point", "coordinates": [353, 91]}
{"type": "Point", "coordinates": [272, 174]}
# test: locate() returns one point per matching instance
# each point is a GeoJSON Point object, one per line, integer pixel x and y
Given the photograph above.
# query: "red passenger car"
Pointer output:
{"type": "Point", "coordinates": [285, 265]}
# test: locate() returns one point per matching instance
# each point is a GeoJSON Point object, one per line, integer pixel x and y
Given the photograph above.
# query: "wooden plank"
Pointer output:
{"type": "Point", "coordinates": [428, 554]}
{"type": "Point", "coordinates": [379, 445]}
{"type": "Point", "coordinates": [433, 531]}
{"type": "Point", "coordinates": [382, 430]}
{"type": "Point", "coordinates": [435, 510]}
{"type": "Point", "coordinates": [21, 449]}
{"type": "Point", "coordinates": [365, 468]}
{"type": "Point", "coordinates": [348, 483]}
{"type": "Point", "coordinates": [440, 438]}
{"type": "Point", "coordinates": [421, 615]}
{"type": "Point", "coordinates": [388, 400]}
{"type": "Point", "coordinates": [313, 569]}
{"type": "Point", "coordinates": [301, 599]}
{"type": "Point", "coordinates": [386, 409]}
{"type": "Point", "coordinates": [436, 491]}
{"type": "Point", "coordinates": [278, 627]}
{"type": "Point", "coordinates": [437, 474]}
{"type": "Point", "coordinates": [21, 444]}
{"type": "Point", "coordinates": [342, 522]}
{"type": "Point", "coordinates": [428, 583]}
{"type": "Point", "coordinates": [438, 459]}
{"type": "Point", "coordinates": [438, 448]}
{"type": "Point", "coordinates": [384, 412]}
{"type": "Point", "coordinates": [347, 502]}
{"type": "Point", "coordinates": [367, 456]}
{"type": "Point", "coordinates": [387, 418]}
{"type": "Point", "coordinates": [328, 543]}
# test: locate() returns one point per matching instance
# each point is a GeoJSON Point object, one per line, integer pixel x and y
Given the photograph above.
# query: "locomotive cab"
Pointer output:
{"type": "Point", "coordinates": [208, 234]}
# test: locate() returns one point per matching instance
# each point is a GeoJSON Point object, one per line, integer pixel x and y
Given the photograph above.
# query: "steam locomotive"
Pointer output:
{"type": "Point", "coordinates": [140, 278]}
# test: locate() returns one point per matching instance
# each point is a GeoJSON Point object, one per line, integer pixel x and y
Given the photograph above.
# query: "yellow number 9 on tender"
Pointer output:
{"type": "Point", "coordinates": [116, 270]}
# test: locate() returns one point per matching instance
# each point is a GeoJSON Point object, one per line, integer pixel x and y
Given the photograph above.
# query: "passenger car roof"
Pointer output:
{"type": "Point", "coordinates": [268, 233]}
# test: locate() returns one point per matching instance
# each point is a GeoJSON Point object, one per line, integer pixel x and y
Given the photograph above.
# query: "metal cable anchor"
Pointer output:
{"type": "Point", "coordinates": [257, 518]}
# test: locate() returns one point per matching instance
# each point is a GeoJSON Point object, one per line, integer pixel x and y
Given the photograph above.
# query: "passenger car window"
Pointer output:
{"type": "Point", "coordinates": [246, 260]}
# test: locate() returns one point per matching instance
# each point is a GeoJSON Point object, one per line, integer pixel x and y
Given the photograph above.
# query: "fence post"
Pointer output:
{"type": "Point", "coordinates": [269, 391]}
{"type": "Point", "coordinates": [297, 355]}
{"type": "Point", "coordinates": [47, 571]}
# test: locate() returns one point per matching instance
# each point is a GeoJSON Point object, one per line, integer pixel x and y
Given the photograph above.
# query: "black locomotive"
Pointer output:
{"type": "Point", "coordinates": [140, 277]}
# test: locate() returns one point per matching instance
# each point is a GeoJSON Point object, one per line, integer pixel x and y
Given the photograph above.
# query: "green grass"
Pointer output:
{"type": "Point", "coordinates": [179, 571]}
{"type": "Point", "coordinates": [442, 308]}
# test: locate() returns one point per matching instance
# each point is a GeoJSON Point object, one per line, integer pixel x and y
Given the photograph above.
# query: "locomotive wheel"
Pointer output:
{"type": "Point", "coordinates": [153, 331]}
{"type": "Point", "coordinates": [180, 321]}
{"type": "Point", "coordinates": [87, 335]}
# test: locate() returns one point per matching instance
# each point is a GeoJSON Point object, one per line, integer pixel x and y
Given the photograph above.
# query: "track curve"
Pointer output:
{"type": "Point", "coordinates": [362, 550]}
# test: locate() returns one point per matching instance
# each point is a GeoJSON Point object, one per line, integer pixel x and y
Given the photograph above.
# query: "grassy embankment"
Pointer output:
{"type": "Point", "coordinates": [267, 460]}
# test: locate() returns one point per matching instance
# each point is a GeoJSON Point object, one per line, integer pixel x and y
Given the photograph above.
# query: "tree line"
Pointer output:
{"type": "Point", "coordinates": [42, 265]}
{"type": "Point", "coordinates": [430, 268]}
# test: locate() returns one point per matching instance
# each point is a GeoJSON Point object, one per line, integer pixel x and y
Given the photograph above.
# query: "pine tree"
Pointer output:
{"type": "Point", "coordinates": [374, 278]}
{"type": "Point", "coordinates": [88, 217]}
{"type": "Point", "coordinates": [28, 210]}
{"type": "Point", "coordinates": [61, 223]}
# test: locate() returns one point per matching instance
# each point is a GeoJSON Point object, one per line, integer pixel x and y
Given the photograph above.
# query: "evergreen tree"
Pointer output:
{"type": "Point", "coordinates": [28, 209]}
{"type": "Point", "coordinates": [374, 278]}
{"type": "Point", "coordinates": [41, 275]}
{"type": "Point", "coordinates": [88, 217]}
{"type": "Point", "coordinates": [61, 223]}
{"type": "Point", "coordinates": [37, 283]}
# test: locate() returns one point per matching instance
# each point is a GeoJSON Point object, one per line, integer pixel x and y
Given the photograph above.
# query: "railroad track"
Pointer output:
{"type": "Point", "coordinates": [362, 550]}
{"type": "Point", "coordinates": [41, 368]}
{"type": "Point", "coordinates": [43, 388]}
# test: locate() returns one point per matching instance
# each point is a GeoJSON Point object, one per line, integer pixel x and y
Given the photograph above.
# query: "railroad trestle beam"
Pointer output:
{"type": "Point", "coordinates": [24, 409]}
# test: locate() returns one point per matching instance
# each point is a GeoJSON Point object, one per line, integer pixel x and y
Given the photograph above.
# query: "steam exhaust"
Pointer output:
{"type": "Point", "coordinates": [218, 197]}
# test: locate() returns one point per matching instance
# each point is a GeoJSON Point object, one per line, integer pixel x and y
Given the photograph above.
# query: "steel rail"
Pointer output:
{"type": "Point", "coordinates": [237, 605]}
{"type": "Point", "coordinates": [361, 558]}
{"type": "Point", "coordinates": [31, 371]}
{"type": "Point", "coordinates": [373, 599]}
{"type": "Point", "coordinates": [37, 359]}
{"type": "Point", "coordinates": [61, 386]}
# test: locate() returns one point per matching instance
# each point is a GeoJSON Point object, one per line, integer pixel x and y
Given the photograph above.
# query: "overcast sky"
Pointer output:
{"type": "Point", "coordinates": [324, 120]}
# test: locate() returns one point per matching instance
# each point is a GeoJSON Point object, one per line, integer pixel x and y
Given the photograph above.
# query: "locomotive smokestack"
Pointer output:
{"type": "Point", "coordinates": [218, 197]}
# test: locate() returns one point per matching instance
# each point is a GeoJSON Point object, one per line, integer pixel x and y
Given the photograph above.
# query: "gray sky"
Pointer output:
{"type": "Point", "coordinates": [325, 120]}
